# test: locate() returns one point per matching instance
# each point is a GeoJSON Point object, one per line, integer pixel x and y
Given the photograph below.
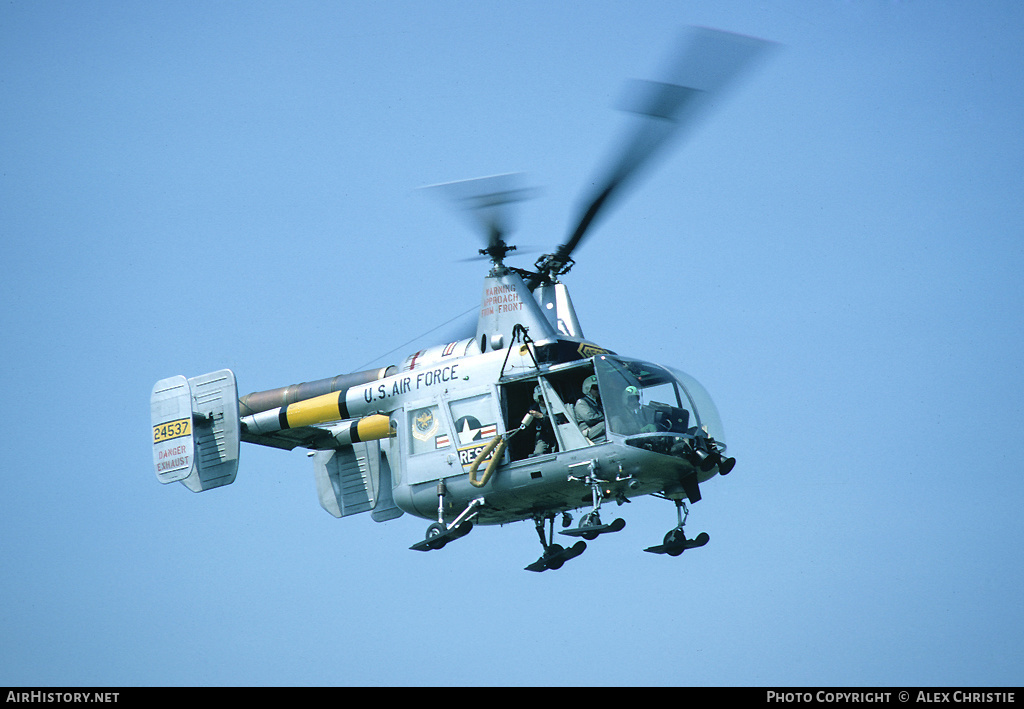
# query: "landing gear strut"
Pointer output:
{"type": "Point", "coordinates": [590, 525]}
{"type": "Point", "coordinates": [439, 533]}
{"type": "Point", "coordinates": [675, 542]}
{"type": "Point", "coordinates": [554, 554]}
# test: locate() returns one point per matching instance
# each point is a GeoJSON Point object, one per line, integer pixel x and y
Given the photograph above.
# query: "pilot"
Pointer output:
{"type": "Point", "coordinates": [633, 418]}
{"type": "Point", "coordinates": [543, 434]}
{"type": "Point", "coordinates": [588, 411]}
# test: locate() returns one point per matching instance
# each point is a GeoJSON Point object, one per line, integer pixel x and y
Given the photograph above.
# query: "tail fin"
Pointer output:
{"type": "Point", "coordinates": [196, 430]}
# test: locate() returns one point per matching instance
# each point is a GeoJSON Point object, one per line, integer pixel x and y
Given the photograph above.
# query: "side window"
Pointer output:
{"type": "Point", "coordinates": [476, 422]}
{"type": "Point", "coordinates": [429, 432]}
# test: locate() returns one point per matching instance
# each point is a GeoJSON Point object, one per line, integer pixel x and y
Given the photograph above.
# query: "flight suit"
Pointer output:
{"type": "Point", "coordinates": [590, 418]}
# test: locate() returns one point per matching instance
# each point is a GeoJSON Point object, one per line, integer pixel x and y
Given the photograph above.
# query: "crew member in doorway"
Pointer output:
{"type": "Point", "coordinates": [588, 411]}
{"type": "Point", "coordinates": [543, 434]}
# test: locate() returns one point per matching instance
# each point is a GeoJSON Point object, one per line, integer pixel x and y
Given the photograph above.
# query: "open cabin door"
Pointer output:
{"type": "Point", "coordinates": [556, 393]}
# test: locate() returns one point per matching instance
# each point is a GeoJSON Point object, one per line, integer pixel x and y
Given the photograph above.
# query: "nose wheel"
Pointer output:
{"type": "Point", "coordinates": [676, 543]}
{"type": "Point", "coordinates": [590, 526]}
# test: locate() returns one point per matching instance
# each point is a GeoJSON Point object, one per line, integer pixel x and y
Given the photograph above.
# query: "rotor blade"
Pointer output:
{"type": "Point", "coordinates": [487, 200]}
{"type": "Point", "coordinates": [705, 64]}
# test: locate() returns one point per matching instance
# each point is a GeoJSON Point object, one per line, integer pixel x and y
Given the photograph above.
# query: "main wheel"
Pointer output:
{"type": "Point", "coordinates": [555, 550]}
{"type": "Point", "coordinates": [436, 530]}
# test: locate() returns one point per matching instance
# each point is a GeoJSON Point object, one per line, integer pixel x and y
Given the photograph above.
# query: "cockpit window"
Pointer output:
{"type": "Point", "coordinates": [709, 419]}
{"type": "Point", "coordinates": [640, 397]}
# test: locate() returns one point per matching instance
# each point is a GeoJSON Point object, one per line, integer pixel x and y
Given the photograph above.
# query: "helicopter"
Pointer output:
{"type": "Point", "coordinates": [525, 419]}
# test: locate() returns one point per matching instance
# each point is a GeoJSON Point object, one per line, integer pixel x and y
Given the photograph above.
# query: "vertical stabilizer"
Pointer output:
{"type": "Point", "coordinates": [557, 306]}
{"type": "Point", "coordinates": [196, 430]}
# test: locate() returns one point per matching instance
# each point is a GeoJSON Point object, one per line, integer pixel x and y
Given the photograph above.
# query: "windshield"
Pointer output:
{"type": "Point", "coordinates": [640, 397]}
{"type": "Point", "coordinates": [708, 418]}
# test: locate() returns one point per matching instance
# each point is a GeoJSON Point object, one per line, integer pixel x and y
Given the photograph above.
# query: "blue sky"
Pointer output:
{"type": "Point", "coordinates": [835, 254]}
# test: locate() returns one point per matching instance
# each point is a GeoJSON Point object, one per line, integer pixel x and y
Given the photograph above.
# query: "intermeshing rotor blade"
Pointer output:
{"type": "Point", "coordinates": [706, 63]}
{"type": "Point", "coordinates": [488, 200]}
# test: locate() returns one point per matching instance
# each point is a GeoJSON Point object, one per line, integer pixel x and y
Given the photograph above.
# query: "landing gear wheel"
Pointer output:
{"type": "Point", "coordinates": [436, 530]}
{"type": "Point", "coordinates": [674, 541]}
{"type": "Point", "coordinates": [591, 519]}
{"type": "Point", "coordinates": [555, 552]}
{"type": "Point", "coordinates": [439, 534]}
